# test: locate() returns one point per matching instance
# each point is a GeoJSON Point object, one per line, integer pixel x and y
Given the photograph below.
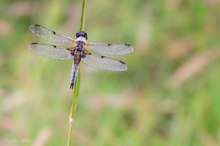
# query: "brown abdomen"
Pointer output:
{"type": "Point", "coordinates": [77, 57]}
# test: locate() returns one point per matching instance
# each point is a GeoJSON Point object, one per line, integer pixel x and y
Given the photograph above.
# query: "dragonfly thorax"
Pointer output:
{"type": "Point", "coordinates": [80, 45]}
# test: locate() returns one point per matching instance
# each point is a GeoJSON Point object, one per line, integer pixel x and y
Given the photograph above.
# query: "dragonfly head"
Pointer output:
{"type": "Point", "coordinates": [82, 34]}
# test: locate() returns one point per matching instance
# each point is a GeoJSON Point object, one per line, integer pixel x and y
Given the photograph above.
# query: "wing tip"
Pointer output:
{"type": "Point", "coordinates": [123, 68]}
{"type": "Point", "coordinates": [33, 26]}
{"type": "Point", "coordinates": [131, 49]}
{"type": "Point", "coordinates": [126, 68]}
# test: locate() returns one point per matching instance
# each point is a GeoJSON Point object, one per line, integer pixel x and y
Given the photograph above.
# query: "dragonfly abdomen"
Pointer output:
{"type": "Point", "coordinates": [75, 69]}
{"type": "Point", "coordinates": [77, 57]}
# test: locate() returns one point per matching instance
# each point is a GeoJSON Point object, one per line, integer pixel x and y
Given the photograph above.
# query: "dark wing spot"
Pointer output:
{"type": "Point", "coordinates": [54, 32]}
{"type": "Point", "coordinates": [37, 25]}
{"type": "Point", "coordinates": [127, 45]}
{"type": "Point", "coordinates": [109, 45]}
{"type": "Point", "coordinates": [122, 62]}
{"type": "Point", "coordinates": [102, 56]}
{"type": "Point", "coordinates": [34, 43]}
{"type": "Point", "coordinates": [54, 46]}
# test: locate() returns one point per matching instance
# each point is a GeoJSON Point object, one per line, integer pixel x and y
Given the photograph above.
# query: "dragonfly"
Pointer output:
{"type": "Point", "coordinates": [90, 53]}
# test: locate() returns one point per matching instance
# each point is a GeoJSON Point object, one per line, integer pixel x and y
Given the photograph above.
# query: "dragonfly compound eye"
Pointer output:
{"type": "Point", "coordinates": [77, 34]}
{"type": "Point", "coordinates": [81, 34]}
{"type": "Point", "coordinates": [84, 34]}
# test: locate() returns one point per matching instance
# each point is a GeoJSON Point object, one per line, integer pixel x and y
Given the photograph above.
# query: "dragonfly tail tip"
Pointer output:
{"type": "Point", "coordinates": [71, 86]}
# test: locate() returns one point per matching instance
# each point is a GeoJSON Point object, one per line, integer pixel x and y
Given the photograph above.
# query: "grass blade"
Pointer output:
{"type": "Point", "coordinates": [77, 84]}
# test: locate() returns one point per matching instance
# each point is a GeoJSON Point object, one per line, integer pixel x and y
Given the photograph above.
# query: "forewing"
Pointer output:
{"type": "Point", "coordinates": [50, 51]}
{"type": "Point", "coordinates": [50, 35]}
{"type": "Point", "coordinates": [110, 49]}
{"type": "Point", "coordinates": [104, 63]}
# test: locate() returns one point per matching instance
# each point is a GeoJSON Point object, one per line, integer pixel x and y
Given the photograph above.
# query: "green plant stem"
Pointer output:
{"type": "Point", "coordinates": [73, 108]}
{"type": "Point", "coordinates": [82, 21]}
{"type": "Point", "coordinates": [77, 84]}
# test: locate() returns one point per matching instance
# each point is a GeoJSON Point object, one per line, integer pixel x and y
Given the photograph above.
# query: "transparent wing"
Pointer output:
{"type": "Point", "coordinates": [50, 35]}
{"type": "Point", "coordinates": [110, 49]}
{"type": "Point", "coordinates": [50, 51]}
{"type": "Point", "coordinates": [104, 63]}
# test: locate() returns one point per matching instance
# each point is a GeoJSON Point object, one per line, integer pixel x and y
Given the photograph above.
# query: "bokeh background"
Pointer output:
{"type": "Point", "coordinates": [170, 95]}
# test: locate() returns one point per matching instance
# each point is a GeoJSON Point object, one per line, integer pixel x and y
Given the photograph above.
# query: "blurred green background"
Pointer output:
{"type": "Point", "coordinates": [170, 95]}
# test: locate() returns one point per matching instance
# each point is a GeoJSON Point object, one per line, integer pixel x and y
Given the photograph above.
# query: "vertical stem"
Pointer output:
{"type": "Point", "coordinates": [73, 108]}
{"type": "Point", "coordinates": [82, 21]}
{"type": "Point", "coordinates": [77, 85]}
